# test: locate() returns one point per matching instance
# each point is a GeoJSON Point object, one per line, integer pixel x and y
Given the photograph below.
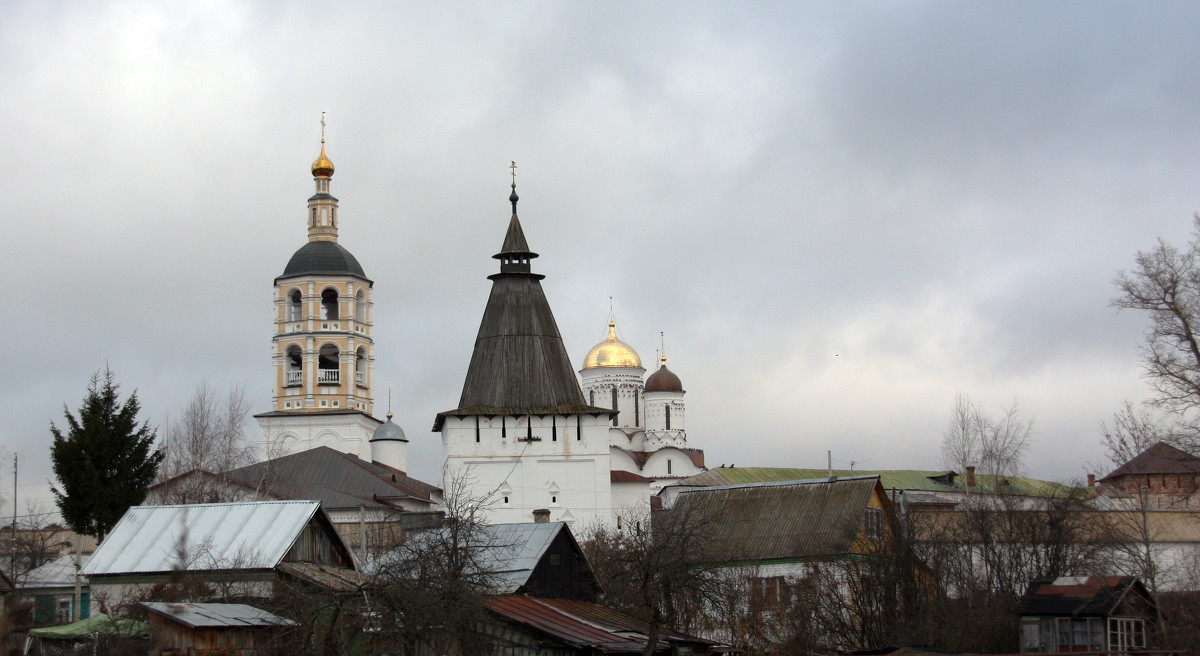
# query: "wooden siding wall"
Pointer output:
{"type": "Point", "coordinates": [168, 637]}
{"type": "Point", "coordinates": [562, 573]}
{"type": "Point", "coordinates": [317, 545]}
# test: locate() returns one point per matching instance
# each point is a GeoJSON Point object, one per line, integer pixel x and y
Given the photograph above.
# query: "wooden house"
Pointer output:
{"type": "Point", "coordinates": [243, 547]}
{"type": "Point", "coordinates": [187, 629]}
{"type": "Point", "coordinates": [1086, 614]}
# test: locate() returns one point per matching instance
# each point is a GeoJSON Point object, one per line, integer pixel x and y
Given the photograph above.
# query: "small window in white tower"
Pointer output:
{"type": "Point", "coordinates": [668, 466]}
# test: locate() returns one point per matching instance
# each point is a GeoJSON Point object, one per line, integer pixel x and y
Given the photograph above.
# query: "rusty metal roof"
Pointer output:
{"type": "Point", "coordinates": [797, 520]}
{"type": "Point", "coordinates": [216, 616]}
{"type": "Point", "coordinates": [242, 536]}
{"type": "Point", "coordinates": [619, 476]}
{"type": "Point", "coordinates": [581, 624]}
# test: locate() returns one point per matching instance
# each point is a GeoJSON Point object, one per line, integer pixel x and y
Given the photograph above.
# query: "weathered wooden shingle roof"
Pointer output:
{"type": "Point", "coordinates": [519, 361]}
{"type": "Point", "coordinates": [798, 520]}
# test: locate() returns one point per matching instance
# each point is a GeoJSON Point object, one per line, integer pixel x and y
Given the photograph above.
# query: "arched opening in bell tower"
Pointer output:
{"type": "Point", "coordinates": [294, 375]}
{"type": "Point", "coordinates": [360, 306]}
{"type": "Point", "coordinates": [295, 306]}
{"type": "Point", "coordinates": [360, 366]}
{"type": "Point", "coordinates": [328, 367]}
{"type": "Point", "coordinates": [329, 304]}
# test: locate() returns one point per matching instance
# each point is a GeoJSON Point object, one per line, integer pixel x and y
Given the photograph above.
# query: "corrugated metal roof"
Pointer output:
{"type": "Point", "coordinates": [217, 616]}
{"type": "Point", "coordinates": [248, 535]}
{"type": "Point", "coordinates": [778, 521]}
{"type": "Point", "coordinates": [58, 573]}
{"type": "Point", "coordinates": [516, 550]}
{"type": "Point", "coordinates": [581, 624]}
{"type": "Point", "coordinates": [507, 553]}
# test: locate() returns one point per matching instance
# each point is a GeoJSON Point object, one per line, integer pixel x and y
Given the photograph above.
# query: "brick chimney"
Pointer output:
{"type": "Point", "coordinates": [971, 476]}
{"type": "Point", "coordinates": [541, 516]}
{"type": "Point", "coordinates": [1091, 480]}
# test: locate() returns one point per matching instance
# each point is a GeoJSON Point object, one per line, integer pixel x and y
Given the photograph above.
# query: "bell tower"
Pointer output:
{"type": "Point", "coordinates": [322, 349]}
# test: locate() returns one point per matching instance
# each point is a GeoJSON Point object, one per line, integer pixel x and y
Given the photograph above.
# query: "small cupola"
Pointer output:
{"type": "Point", "coordinates": [663, 380]}
{"type": "Point", "coordinates": [389, 446]}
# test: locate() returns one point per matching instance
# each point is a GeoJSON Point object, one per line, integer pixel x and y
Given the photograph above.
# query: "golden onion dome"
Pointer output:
{"type": "Point", "coordinates": [322, 168]}
{"type": "Point", "coordinates": [612, 352]}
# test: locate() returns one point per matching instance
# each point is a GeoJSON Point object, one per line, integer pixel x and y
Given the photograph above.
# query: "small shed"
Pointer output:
{"type": "Point", "coordinates": [1085, 614]}
{"type": "Point", "coordinates": [184, 628]}
{"type": "Point", "coordinates": [89, 635]}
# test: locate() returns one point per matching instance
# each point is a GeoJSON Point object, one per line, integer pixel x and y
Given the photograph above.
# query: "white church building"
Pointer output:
{"type": "Point", "coordinates": [526, 437]}
{"type": "Point", "coordinates": [527, 440]}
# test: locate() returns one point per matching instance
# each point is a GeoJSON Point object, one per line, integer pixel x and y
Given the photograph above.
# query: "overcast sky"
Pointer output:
{"type": "Point", "coordinates": [839, 214]}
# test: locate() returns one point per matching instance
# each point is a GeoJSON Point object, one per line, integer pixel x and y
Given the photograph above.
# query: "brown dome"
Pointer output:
{"type": "Point", "coordinates": [663, 380]}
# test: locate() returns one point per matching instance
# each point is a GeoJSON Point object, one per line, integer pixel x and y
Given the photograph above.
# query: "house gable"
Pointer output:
{"type": "Point", "coordinates": [562, 572]}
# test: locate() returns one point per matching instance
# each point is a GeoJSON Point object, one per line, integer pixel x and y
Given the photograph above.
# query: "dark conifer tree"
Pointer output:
{"type": "Point", "coordinates": [104, 460]}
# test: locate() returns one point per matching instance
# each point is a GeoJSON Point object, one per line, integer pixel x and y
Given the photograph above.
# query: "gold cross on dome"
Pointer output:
{"type": "Point", "coordinates": [322, 127]}
{"type": "Point", "coordinates": [513, 166]}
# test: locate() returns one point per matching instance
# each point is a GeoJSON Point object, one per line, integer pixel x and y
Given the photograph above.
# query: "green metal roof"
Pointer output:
{"type": "Point", "coordinates": [893, 479]}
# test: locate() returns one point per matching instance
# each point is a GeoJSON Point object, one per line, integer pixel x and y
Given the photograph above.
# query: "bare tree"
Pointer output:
{"type": "Point", "coordinates": [985, 554]}
{"type": "Point", "coordinates": [1165, 282]}
{"type": "Point", "coordinates": [207, 440]}
{"type": "Point", "coordinates": [427, 593]}
{"type": "Point", "coordinates": [649, 568]}
{"type": "Point", "coordinates": [994, 445]}
{"type": "Point", "coordinates": [1133, 430]}
{"type": "Point", "coordinates": [39, 538]}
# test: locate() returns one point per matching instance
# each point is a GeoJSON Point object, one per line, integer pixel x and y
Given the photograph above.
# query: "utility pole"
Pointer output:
{"type": "Point", "coordinates": [12, 563]}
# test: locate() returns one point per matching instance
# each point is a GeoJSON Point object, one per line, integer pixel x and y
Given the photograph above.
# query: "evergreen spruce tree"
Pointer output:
{"type": "Point", "coordinates": [104, 461]}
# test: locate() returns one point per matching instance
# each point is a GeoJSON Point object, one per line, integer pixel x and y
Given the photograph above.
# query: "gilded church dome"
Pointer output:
{"type": "Point", "coordinates": [322, 167]}
{"type": "Point", "coordinates": [612, 352]}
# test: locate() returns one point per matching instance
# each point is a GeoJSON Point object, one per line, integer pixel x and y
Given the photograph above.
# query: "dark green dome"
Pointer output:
{"type": "Point", "coordinates": [323, 257]}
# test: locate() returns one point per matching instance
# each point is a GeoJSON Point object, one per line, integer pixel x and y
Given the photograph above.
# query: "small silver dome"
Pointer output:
{"type": "Point", "coordinates": [389, 431]}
